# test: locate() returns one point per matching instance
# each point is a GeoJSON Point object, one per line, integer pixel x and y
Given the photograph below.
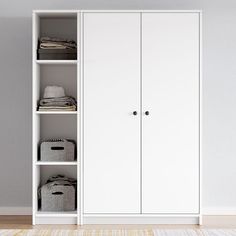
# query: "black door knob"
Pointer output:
{"type": "Point", "coordinates": [135, 113]}
{"type": "Point", "coordinates": [146, 113]}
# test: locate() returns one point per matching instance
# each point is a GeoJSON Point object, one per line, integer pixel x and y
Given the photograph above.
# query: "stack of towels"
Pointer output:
{"type": "Point", "coordinates": [54, 99]}
{"type": "Point", "coordinates": [56, 43]}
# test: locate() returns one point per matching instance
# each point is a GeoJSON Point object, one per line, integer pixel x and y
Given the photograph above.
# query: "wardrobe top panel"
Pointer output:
{"type": "Point", "coordinates": [73, 13]}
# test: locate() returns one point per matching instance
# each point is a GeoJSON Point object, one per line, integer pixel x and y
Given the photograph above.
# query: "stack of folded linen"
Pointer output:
{"type": "Point", "coordinates": [56, 43]}
{"type": "Point", "coordinates": [55, 100]}
{"type": "Point", "coordinates": [57, 104]}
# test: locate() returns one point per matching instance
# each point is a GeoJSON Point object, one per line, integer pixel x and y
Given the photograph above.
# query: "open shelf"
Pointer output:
{"type": "Point", "coordinates": [58, 124]}
{"type": "Point", "coordinates": [60, 75]}
{"type": "Point", "coordinates": [46, 171]}
{"type": "Point", "coordinates": [56, 163]}
{"type": "Point", "coordinates": [58, 25]}
{"type": "Point", "coordinates": [61, 126]}
{"type": "Point", "coordinates": [56, 112]}
{"type": "Point", "coordinates": [56, 62]}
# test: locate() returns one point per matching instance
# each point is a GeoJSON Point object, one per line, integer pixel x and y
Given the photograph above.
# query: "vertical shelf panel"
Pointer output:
{"type": "Point", "coordinates": [35, 119]}
{"type": "Point", "coordinates": [79, 120]}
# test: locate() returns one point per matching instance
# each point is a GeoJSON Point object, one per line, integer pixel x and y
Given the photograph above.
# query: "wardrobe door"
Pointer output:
{"type": "Point", "coordinates": [170, 75]}
{"type": "Point", "coordinates": [111, 95]}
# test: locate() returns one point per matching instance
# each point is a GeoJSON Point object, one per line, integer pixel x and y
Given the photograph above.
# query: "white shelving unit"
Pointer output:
{"type": "Point", "coordinates": [55, 124]}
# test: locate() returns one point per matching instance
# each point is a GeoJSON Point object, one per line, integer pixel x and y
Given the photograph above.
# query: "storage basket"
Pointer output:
{"type": "Point", "coordinates": [57, 54]}
{"type": "Point", "coordinates": [58, 196]}
{"type": "Point", "coordinates": [57, 150]}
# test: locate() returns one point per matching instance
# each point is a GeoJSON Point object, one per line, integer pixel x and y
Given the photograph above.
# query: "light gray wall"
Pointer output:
{"type": "Point", "coordinates": [219, 93]}
{"type": "Point", "coordinates": [219, 106]}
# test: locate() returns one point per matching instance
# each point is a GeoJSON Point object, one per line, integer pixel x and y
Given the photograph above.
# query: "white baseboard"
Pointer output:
{"type": "Point", "coordinates": [15, 211]}
{"type": "Point", "coordinates": [56, 221]}
{"type": "Point", "coordinates": [133, 220]}
{"type": "Point", "coordinates": [219, 211]}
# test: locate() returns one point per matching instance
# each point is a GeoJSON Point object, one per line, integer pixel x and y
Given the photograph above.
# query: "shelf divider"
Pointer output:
{"type": "Point", "coordinates": [56, 62]}
{"type": "Point", "coordinates": [56, 163]}
{"type": "Point", "coordinates": [56, 112]}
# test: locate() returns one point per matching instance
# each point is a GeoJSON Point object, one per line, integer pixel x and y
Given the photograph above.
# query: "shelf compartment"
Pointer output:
{"type": "Point", "coordinates": [58, 127]}
{"type": "Point", "coordinates": [64, 76]}
{"type": "Point", "coordinates": [58, 26]}
{"type": "Point", "coordinates": [58, 163]}
{"type": "Point", "coordinates": [47, 171]}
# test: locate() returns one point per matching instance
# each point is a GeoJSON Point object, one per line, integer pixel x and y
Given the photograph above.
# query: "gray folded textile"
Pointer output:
{"type": "Point", "coordinates": [66, 103]}
{"type": "Point", "coordinates": [57, 43]}
{"type": "Point", "coordinates": [58, 102]}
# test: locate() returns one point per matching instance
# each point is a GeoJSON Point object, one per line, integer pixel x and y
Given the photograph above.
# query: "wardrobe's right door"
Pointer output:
{"type": "Point", "coordinates": [170, 75]}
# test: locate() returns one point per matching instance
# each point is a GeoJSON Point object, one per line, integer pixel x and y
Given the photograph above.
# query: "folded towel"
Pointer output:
{"type": "Point", "coordinates": [57, 43]}
{"type": "Point", "coordinates": [65, 103]}
{"type": "Point", "coordinates": [58, 101]}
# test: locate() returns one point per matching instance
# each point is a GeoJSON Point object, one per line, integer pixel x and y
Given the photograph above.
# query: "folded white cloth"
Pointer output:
{"type": "Point", "coordinates": [54, 92]}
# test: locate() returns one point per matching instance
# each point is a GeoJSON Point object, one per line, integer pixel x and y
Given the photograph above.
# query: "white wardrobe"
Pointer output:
{"type": "Point", "coordinates": [141, 113]}
{"type": "Point", "coordinates": [137, 81]}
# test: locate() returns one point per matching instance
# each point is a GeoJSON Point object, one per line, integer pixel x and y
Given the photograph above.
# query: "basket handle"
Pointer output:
{"type": "Point", "coordinates": [57, 148]}
{"type": "Point", "coordinates": [57, 193]}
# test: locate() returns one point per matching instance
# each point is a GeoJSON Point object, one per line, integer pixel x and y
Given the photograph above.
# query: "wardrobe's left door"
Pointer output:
{"type": "Point", "coordinates": [111, 78]}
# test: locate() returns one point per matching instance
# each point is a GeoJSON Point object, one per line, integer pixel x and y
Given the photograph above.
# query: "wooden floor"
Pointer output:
{"type": "Point", "coordinates": [24, 222]}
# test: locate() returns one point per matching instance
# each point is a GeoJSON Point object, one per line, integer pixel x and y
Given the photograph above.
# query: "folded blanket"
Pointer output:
{"type": "Point", "coordinates": [57, 43]}
{"type": "Point", "coordinates": [65, 103]}
{"type": "Point", "coordinates": [60, 101]}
